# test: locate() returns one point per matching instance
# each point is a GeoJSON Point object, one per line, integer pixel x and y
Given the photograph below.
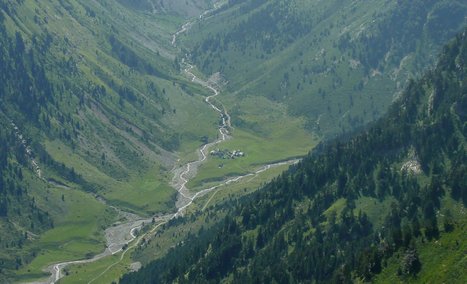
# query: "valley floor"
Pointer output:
{"type": "Point", "coordinates": [200, 179]}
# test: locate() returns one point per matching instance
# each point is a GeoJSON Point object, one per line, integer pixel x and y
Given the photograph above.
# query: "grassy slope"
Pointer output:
{"type": "Point", "coordinates": [252, 73]}
{"type": "Point", "coordinates": [311, 73]}
{"type": "Point", "coordinates": [119, 133]}
{"type": "Point", "coordinates": [78, 222]}
{"type": "Point", "coordinates": [134, 174]}
{"type": "Point", "coordinates": [85, 273]}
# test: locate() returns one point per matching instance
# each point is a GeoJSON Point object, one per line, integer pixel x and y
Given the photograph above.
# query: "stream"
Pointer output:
{"type": "Point", "coordinates": [122, 237]}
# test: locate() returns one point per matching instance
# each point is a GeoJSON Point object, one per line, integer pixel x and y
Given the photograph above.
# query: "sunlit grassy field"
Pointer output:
{"type": "Point", "coordinates": [77, 233]}
{"type": "Point", "coordinates": [263, 131]}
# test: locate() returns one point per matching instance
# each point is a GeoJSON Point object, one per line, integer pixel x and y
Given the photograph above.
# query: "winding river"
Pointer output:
{"type": "Point", "coordinates": [123, 237]}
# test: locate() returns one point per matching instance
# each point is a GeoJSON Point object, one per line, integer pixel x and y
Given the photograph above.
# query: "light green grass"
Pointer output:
{"type": "Point", "coordinates": [374, 209]}
{"type": "Point", "coordinates": [144, 193]}
{"type": "Point", "coordinates": [237, 189]}
{"type": "Point", "coordinates": [265, 136]}
{"type": "Point", "coordinates": [84, 273]}
{"type": "Point", "coordinates": [61, 152]}
{"type": "Point", "coordinates": [257, 151]}
{"type": "Point", "coordinates": [148, 193]}
{"type": "Point", "coordinates": [336, 208]}
{"type": "Point", "coordinates": [77, 233]}
{"type": "Point", "coordinates": [443, 260]}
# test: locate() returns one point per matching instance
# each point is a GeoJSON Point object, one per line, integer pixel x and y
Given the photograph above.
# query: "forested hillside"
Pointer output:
{"type": "Point", "coordinates": [384, 205]}
{"type": "Point", "coordinates": [70, 90]}
{"type": "Point", "coordinates": [20, 217]}
{"type": "Point", "coordinates": [339, 64]}
{"type": "Point", "coordinates": [86, 109]}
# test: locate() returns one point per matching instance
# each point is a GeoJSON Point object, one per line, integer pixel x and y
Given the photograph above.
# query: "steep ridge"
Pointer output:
{"type": "Point", "coordinates": [387, 204]}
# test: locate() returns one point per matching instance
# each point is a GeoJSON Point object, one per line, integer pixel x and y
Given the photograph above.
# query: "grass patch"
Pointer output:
{"type": "Point", "coordinates": [84, 273]}
{"type": "Point", "coordinates": [443, 260]}
{"type": "Point", "coordinates": [147, 193]}
{"type": "Point", "coordinates": [79, 220]}
{"type": "Point", "coordinates": [237, 189]}
{"type": "Point", "coordinates": [374, 208]}
{"type": "Point", "coordinates": [336, 208]}
{"type": "Point", "coordinates": [265, 136]}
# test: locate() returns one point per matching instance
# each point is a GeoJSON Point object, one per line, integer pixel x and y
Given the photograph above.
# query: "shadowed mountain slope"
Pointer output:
{"type": "Point", "coordinates": [384, 205]}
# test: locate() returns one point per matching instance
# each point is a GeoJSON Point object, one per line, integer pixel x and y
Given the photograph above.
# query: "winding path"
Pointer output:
{"type": "Point", "coordinates": [182, 175]}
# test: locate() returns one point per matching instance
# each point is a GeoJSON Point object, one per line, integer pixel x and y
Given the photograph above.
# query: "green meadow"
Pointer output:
{"type": "Point", "coordinates": [96, 271]}
{"type": "Point", "coordinates": [111, 268]}
{"type": "Point", "coordinates": [77, 233]}
{"type": "Point", "coordinates": [444, 260]}
{"type": "Point", "coordinates": [266, 135]}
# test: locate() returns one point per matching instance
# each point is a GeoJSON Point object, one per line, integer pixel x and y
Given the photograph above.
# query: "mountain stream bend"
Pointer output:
{"type": "Point", "coordinates": [121, 237]}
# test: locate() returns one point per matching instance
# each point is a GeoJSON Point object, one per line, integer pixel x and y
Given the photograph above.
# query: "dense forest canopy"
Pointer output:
{"type": "Point", "coordinates": [354, 206]}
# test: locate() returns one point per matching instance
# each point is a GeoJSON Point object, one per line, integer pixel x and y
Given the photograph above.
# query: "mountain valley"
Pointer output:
{"type": "Point", "coordinates": [226, 141]}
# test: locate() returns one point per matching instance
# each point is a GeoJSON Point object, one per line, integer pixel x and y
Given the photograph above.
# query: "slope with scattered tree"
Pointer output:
{"type": "Point", "coordinates": [339, 64]}
{"type": "Point", "coordinates": [356, 207]}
